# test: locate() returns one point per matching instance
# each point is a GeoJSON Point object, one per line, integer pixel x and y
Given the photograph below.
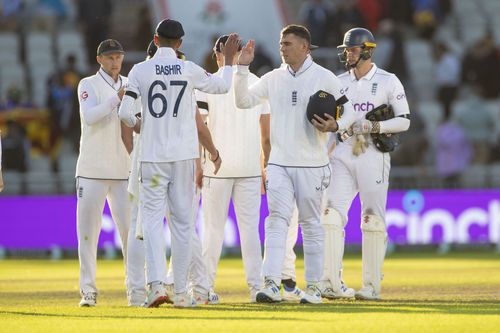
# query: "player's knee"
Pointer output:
{"type": "Point", "coordinates": [276, 223]}
{"type": "Point", "coordinates": [312, 233]}
{"type": "Point", "coordinates": [332, 218]}
{"type": "Point", "coordinates": [316, 247]}
{"type": "Point", "coordinates": [277, 216]}
{"type": "Point", "coordinates": [372, 223]}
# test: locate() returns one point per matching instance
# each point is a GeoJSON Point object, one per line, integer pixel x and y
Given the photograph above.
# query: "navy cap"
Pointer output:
{"type": "Point", "coordinates": [223, 39]}
{"type": "Point", "coordinates": [109, 46]}
{"type": "Point", "coordinates": [170, 29]}
{"type": "Point", "coordinates": [320, 103]}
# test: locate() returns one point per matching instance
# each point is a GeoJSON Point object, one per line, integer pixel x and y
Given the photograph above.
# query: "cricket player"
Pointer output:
{"type": "Point", "coordinates": [103, 164]}
{"type": "Point", "coordinates": [298, 170]}
{"type": "Point", "coordinates": [198, 279]}
{"type": "Point", "coordinates": [169, 146]}
{"type": "Point", "coordinates": [361, 164]}
{"type": "Point", "coordinates": [239, 135]}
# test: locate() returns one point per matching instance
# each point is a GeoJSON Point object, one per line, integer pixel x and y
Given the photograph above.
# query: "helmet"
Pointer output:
{"type": "Point", "coordinates": [360, 37]}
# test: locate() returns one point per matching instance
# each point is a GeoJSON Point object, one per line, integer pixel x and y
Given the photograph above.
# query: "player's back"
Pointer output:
{"type": "Point", "coordinates": [236, 134]}
{"type": "Point", "coordinates": [165, 84]}
{"type": "Point", "coordinates": [168, 130]}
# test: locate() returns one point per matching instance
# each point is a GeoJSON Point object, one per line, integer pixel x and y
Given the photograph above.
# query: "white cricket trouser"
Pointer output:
{"type": "Point", "coordinates": [198, 277]}
{"type": "Point", "coordinates": [246, 195]}
{"type": "Point", "coordinates": [304, 186]}
{"type": "Point", "coordinates": [288, 271]}
{"type": "Point", "coordinates": [136, 258]}
{"type": "Point", "coordinates": [367, 173]}
{"type": "Point", "coordinates": [92, 194]}
{"type": "Point", "coordinates": [170, 182]}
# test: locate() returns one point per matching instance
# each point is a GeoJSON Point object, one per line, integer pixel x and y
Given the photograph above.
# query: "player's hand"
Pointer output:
{"type": "Point", "coordinates": [230, 48]}
{"type": "Point", "coordinates": [121, 92]}
{"type": "Point", "coordinates": [247, 53]}
{"type": "Point", "coordinates": [264, 179]}
{"type": "Point", "coordinates": [137, 126]}
{"type": "Point", "coordinates": [1, 181]}
{"type": "Point", "coordinates": [325, 125]}
{"type": "Point", "coordinates": [362, 126]}
{"type": "Point", "coordinates": [217, 161]}
{"type": "Point", "coordinates": [198, 174]}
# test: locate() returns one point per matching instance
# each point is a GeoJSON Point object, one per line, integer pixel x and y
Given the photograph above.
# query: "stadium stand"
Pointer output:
{"type": "Point", "coordinates": [30, 55]}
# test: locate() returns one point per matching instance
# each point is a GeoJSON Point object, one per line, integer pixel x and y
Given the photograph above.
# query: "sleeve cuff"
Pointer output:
{"type": "Point", "coordinates": [341, 125]}
{"type": "Point", "coordinates": [243, 69]}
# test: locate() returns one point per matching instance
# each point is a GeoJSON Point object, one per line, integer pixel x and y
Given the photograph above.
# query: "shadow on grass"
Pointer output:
{"type": "Point", "coordinates": [188, 316]}
{"type": "Point", "coordinates": [276, 311]}
{"type": "Point", "coordinates": [444, 306]}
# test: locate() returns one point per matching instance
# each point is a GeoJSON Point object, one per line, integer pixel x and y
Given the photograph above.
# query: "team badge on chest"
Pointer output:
{"type": "Point", "coordinates": [294, 97]}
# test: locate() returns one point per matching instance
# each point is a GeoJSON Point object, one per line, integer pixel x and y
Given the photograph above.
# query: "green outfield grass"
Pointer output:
{"type": "Point", "coordinates": [422, 293]}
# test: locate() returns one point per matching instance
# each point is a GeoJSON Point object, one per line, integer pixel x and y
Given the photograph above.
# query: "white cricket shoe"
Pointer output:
{"type": "Point", "coordinates": [367, 293]}
{"type": "Point", "coordinates": [156, 296]}
{"type": "Point", "coordinates": [136, 298]}
{"type": "Point", "coordinates": [327, 291]}
{"type": "Point", "coordinates": [88, 299]}
{"type": "Point", "coordinates": [184, 301]}
{"type": "Point", "coordinates": [169, 290]}
{"type": "Point", "coordinates": [210, 298]}
{"type": "Point", "coordinates": [296, 294]}
{"type": "Point", "coordinates": [269, 294]}
{"type": "Point", "coordinates": [312, 295]}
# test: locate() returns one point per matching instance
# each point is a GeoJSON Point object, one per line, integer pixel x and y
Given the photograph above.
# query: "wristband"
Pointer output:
{"type": "Point", "coordinates": [213, 161]}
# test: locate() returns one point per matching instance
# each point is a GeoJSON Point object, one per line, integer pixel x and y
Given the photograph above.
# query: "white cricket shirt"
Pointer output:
{"type": "Point", "coordinates": [102, 152]}
{"type": "Point", "coordinates": [165, 85]}
{"type": "Point", "coordinates": [377, 87]}
{"type": "Point", "coordinates": [235, 132]}
{"type": "Point", "coordinates": [295, 142]}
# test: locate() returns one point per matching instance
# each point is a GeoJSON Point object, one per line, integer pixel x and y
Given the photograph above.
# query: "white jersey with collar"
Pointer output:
{"type": "Point", "coordinates": [235, 132]}
{"type": "Point", "coordinates": [377, 87]}
{"type": "Point", "coordinates": [102, 152]}
{"type": "Point", "coordinates": [295, 141]}
{"type": "Point", "coordinates": [165, 85]}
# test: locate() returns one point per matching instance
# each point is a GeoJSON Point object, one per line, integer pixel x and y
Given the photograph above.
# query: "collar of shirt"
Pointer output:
{"type": "Point", "coordinates": [305, 66]}
{"type": "Point", "coordinates": [165, 52]}
{"type": "Point", "coordinates": [368, 76]}
{"type": "Point", "coordinates": [109, 80]}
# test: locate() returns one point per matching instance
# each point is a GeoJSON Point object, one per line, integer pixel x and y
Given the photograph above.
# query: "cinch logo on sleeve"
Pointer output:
{"type": "Point", "coordinates": [364, 107]}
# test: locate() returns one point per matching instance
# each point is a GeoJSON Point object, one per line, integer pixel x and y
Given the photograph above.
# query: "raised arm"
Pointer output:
{"type": "Point", "coordinates": [216, 84]}
{"type": "Point", "coordinates": [247, 97]}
